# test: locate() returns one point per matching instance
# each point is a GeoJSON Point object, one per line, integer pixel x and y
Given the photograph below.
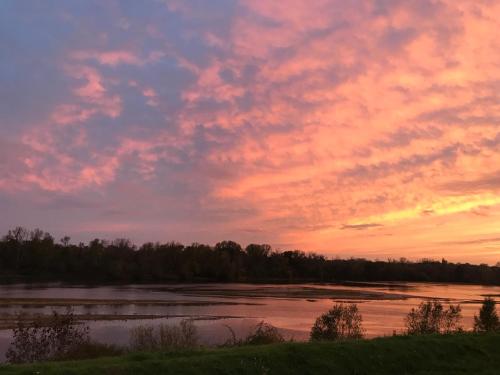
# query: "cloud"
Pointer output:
{"type": "Point", "coordinates": [477, 241]}
{"type": "Point", "coordinates": [360, 226]}
{"type": "Point", "coordinates": [234, 119]}
{"type": "Point", "coordinates": [489, 182]}
{"type": "Point", "coordinates": [405, 136]}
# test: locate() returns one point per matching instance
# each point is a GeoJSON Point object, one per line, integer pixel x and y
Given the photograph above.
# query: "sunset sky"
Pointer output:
{"type": "Point", "coordinates": [349, 128]}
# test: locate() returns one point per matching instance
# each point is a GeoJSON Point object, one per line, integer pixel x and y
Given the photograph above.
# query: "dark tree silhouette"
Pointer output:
{"type": "Point", "coordinates": [340, 322]}
{"type": "Point", "coordinates": [487, 321]}
{"type": "Point", "coordinates": [432, 317]}
{"type": "Point", "coordinates": [35, 256]}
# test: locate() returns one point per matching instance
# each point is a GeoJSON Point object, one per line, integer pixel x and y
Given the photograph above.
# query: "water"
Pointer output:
{"type": "Point", "coordinates": [291, 308]}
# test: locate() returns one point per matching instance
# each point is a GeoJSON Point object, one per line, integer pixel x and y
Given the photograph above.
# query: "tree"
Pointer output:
{"type": "Point", "coordinates": [258, 251]}
{"type": "Point", "coordinates": [231, 248]}
{"type": "Point", "coordinates": [487, 321]}
{"type": "Point", "coordinates": [18, 234]}
{"type": "Point", "coordinates": [257, 260]}
{"type": "Point", "coordinates": [18, 237]}
{"type": "Point", "coordinates": [431, 317]}
{"type": "Point", "coordinates": [230, 254]}
{"type": "Point", "coordinates": [340, 322]}
{"type": "Point", "coordinates": [65, 241]}
{"type": "Point", "coordinates": [35, 256]}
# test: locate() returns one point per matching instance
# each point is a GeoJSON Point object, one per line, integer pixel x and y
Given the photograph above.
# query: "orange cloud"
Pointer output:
{"type": "Point", "coordinates": [363, 128]}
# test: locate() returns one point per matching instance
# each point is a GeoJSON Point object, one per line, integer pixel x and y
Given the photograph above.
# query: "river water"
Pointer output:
{"type": "Point", "coordinates": [291, 308]}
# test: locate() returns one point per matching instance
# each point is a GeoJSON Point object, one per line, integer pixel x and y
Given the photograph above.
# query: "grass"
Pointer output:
{"type": "Point", "coordinates": [430, 355]}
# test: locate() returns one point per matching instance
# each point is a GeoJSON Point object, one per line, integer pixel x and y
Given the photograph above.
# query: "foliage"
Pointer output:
{"type": "Point", "coordinates": [340, 322]}
{"type": "Point", "coordinates": [436, 354]}
{"type": "Point", "coordinates": [143, 338]}
{"type": "Point", "coordinates": [487, 321]}
{"type": "Point", "coordinates": [42, 340]}
{"type": "Point", "coordinates": [264, 333]}
{"type": "Point", "coordinates": [432, 317]}
{"type": "Point", "coordinates": [165, 337]}
{"type": "Point", "coordinates": [36, 256]}
{"type": "Point", "coordinates": [232, 340]}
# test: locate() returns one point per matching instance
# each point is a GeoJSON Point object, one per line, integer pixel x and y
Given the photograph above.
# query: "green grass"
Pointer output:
{"type": "Point", "coordinates": [457, 354]}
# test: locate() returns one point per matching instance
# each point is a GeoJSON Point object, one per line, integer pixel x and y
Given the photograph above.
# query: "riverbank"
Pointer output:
{"type": "Point", "coordinates": [456, 354]}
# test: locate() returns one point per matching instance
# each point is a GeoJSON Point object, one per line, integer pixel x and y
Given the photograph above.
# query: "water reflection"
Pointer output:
{"type": "Point", "coordinates": [292, 308]}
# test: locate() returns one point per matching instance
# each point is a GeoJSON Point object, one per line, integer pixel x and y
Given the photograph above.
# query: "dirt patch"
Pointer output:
{"type": "Point", "coordinates": [301, 292]}
{"type": "Point", "coordinates": [8, 321]}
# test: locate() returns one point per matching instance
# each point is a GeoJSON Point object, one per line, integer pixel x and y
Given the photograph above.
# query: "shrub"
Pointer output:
{"type": "Point", "coordinates": [340, 322]}
{"type": "Point", "coordinates": [431, 317]}
{"type": "Point", "coordinates": [179, 337]}
{"type": "Point", "coordinates": [487, 321]}
{"type": "Point", "coordinates": [143, 338]}
{"type": "Point", "coordinates": [232, 340]}
{"type": "Point", "coordinates": [264, 333]}
{"type": "Point", "coordinates": [44, 339]}
{"type": "Point", "coordinates": [166, 337]}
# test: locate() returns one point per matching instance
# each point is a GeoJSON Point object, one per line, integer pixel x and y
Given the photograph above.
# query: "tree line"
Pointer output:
{"type": "Point", "coordinates": [36, 256]}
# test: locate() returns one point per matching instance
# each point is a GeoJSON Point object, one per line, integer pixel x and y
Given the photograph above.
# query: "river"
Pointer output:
{"type": "Point", "coordinates": [111, 311]}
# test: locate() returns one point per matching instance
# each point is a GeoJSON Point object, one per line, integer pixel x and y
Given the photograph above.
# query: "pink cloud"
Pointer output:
{"type": "Point", "coordinates": [308, 122]}
{"type": "Point", "coordinates": [108, 57]}
{"type": "Point", "coordinates": [117, 57]}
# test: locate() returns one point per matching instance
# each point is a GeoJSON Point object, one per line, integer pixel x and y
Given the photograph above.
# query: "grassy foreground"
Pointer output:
{"type": "Point", "coordinates": [457, 354]}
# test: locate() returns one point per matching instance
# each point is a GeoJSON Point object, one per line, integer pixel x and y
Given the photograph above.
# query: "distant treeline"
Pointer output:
{"type": "Point", "coordinates": [36, 256]}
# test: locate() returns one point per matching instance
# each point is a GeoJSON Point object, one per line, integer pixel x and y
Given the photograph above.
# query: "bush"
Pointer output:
{"type": "Point", "coordinates": [431, 317]}
{"type": "Point", "coordinates": [46, 339]}
{"type": "Point", "coordinates": [232, 341]}
{"type": "Point", "coordinates": [340, 322]}
{"type": "Point", "coordinates": [179, 337]}
{"type": "Point", "coordinates": [487, 321]}
{"type": "Point", "coordinates": [264, 333]}
{"type": "Point", "coordinates": [143, 338]}
{"type": "Point", "coordinates": [166, 337]}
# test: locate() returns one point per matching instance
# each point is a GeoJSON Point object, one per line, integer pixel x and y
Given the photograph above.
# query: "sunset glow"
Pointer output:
{"type": "Point", "coordinates": [348, 128]}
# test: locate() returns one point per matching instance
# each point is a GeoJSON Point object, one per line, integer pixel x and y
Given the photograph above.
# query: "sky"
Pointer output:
{"type": "Point", "coordinates": [351, 128]}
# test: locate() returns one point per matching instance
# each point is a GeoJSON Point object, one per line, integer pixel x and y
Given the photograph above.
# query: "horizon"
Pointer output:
{"type": "Point", "coordinates": [366, 129]}
{"type": "Point", "coordinates": [328, 256]}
